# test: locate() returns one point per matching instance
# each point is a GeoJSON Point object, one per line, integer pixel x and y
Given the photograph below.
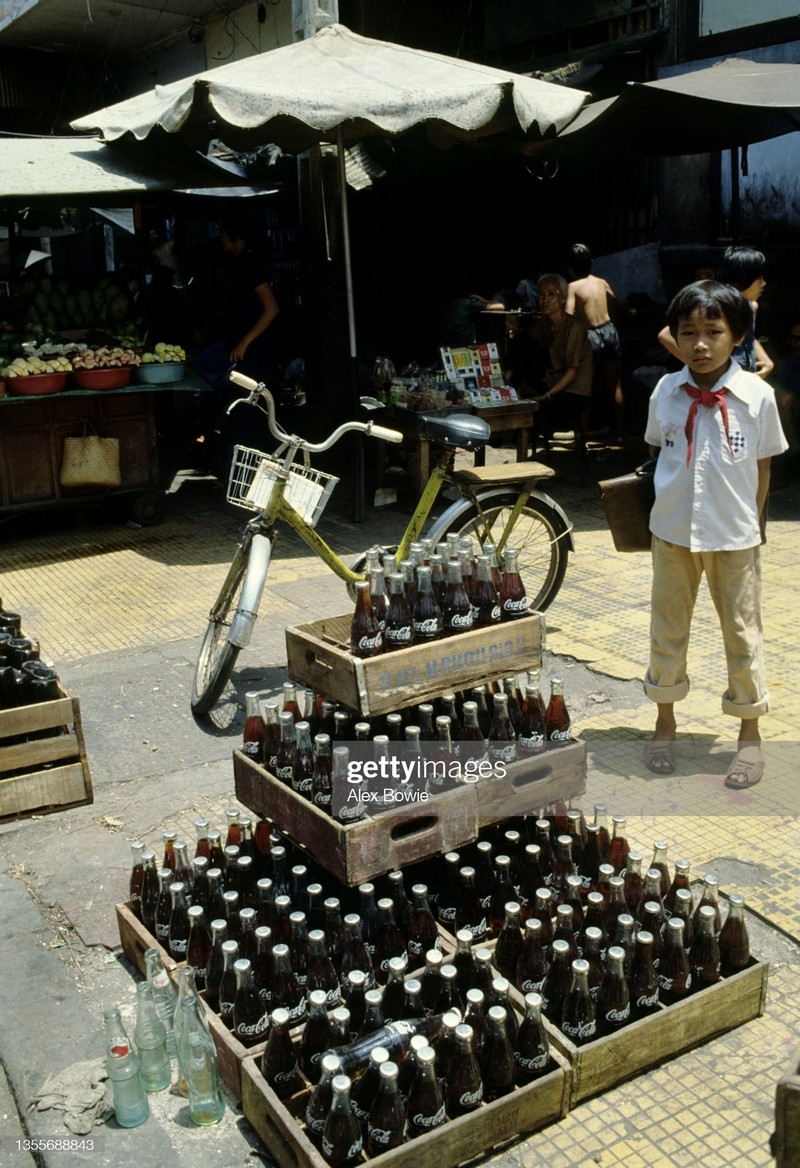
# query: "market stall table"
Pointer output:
{"type": "Point", "coordinates": [32, 433]}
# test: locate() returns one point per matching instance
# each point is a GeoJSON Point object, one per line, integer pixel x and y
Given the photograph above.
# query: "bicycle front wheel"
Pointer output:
{"type": "Point", "coordinates": [217, 655]}
{"type": "Point", "coordinates": [540, 535]}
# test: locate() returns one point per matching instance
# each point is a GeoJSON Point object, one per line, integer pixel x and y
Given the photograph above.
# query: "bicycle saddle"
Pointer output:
{"type": "Point", "coordinates": [455, 430]}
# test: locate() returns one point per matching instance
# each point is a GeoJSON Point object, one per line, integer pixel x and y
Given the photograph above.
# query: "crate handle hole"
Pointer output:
{"type": "Point", "coordinates": [414, 827]}
{"type": "Point", "coordinates": [519, 781]}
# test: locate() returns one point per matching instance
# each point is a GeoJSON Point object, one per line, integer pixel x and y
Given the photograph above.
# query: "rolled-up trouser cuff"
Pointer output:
{"type": "Point", "coordinates": [745, 710]}
{"type": "Point", "coordinates": [666, 693]}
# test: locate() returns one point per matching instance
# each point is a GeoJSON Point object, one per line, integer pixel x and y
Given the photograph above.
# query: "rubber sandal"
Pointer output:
{"type": "Point", "coordinates": [659, 757]}
{"type": "Point", "coordinates": [746, 769]}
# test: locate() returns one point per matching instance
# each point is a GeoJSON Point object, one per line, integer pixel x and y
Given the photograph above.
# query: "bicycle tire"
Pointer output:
{"type": "Point", "coordinates": [540, 534]}
{"type": "Point", "coordinates": [217, 656]}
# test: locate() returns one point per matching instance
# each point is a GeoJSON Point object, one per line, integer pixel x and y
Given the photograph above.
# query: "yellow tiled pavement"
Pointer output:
{"type": "Point", "coordinates": [110, 588]}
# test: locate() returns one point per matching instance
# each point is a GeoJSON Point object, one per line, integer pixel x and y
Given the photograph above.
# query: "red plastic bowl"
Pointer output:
{"type": "Point", "coordinates": [102, 378]}
{"type": "Point", "coordinates": [36, 383]}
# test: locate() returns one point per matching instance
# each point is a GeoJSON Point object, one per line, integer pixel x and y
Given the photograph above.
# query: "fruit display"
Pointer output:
{"type": "Point", "coordinates": [104, 358]}
{"type": "Point", "coordinates": [31, 366]}
{"type": "Point", "coordinates": [56, 305]}
{"type": "Point", "coordinates": [163, 353]}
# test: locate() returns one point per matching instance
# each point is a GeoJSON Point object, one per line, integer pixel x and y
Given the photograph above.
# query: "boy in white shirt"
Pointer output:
{"type": "Point", "coordinates": [714, 428]}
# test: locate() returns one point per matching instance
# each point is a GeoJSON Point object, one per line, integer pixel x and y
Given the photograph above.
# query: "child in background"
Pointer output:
{"type": "Point", "coordinates": [714, 428]}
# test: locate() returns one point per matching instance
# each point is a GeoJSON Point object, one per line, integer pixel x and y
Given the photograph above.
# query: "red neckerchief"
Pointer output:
{"type": "Point", "coordinates": [709, 399]}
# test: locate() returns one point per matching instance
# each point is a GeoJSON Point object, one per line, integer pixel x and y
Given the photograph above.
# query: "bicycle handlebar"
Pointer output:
{"type": "Point", "coordinates": [257, 390]}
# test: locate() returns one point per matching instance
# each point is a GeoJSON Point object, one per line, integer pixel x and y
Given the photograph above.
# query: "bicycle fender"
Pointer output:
{"type": "Point", "coordinates": [255, 578]}
{"type": "Point", "coordinates": [461, 506]}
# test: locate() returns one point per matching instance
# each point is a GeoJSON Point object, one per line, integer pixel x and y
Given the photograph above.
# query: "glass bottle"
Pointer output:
{"type": "Point", "coordinates": [232, 902]}
{"type": "Point", "coordinates": [511, 691]}
{"type": "Point", "coordinates": [150, 1039]}
{"type": "Point", "coordinates": [589, 867]}
{"type": "Point", "coordinates": [394, 991]}
{"type": "Point", "coordinates": [395, 1037]}
{"type": "Point", "coordinates": [513, 601]}
{"type": "Point", "coordinates": [263, 968]}
{"type": "Point", "coordinates": [624, 938]}
{"type": "Point", "coordinates": [734, 943]}
{"type": "Point", "coordinates": [317, 1036]}
{"type": "Point", "coordinates": [198, 947]}
{"type": "Point", "coordinates": [233, 835]}
{"type": "Point", "coordinates": [634, 884]}
{"type": "Point", "coordinates": [643, 981]}
{"type": "Point", "coordinates": [659, 860]}
{"type": "Point", "coordinates": [425, 1110]}
{"type": "Point", "coordinates": [680, 879]}
{"type": "Point", "coordinates": [354, 988]}
{"type": "Point", "coordinates": [149, 896]}
{"type": "Point", "coordinates": [284, 760]}
{"type": "Point", "coordinates": [227, 985]}
{"type": "Point", "coordinates": [594, 952]}
{"type": "Point", "coordinates": [485, 600]}
{"type": "Point", "coordinates": [178, 934]}
{"type": "Point", "coordinates": [449, 998]}
{"type": "Point", "coordinates": [303, 762]}
{"type": "Point", "coordinates": [321, 775]}
{"type": "Point", "coordinates": [366, 636]}
{"type": "Point", "coordinates": [497, 1063]}
{"type": "Point", "coordinates": [334, 932]}
{"type": "Point", "coordinates": [279, 1064]}
{"type": "Point", "coordinates": [250, 1018]}
{"type": "Point", "coordinates": [595, 917]}
{"type": "Point", "coordinates": [508, 949]}
{"type": "Point", "coordinates": [163, 907]}
{"type": "Point", "coordinates": [464, 961]}
{"type": "Point", "coordinates": [386, 1123]}
{"type": "Point", "coordinates": [427, 615]}
{"type": "Point", "coordinates": [475, 1017]}
{"type": "Point", "coordinates": [431, 979]}
{"type": "Point", "coordinates": [613, 998]}
{"type": "Point", "coordinates": [674, 975]}
{"type": "Point", "coordinates": [563, 931]}
{"type": "Point", "coordinates": [399, 629]}
{"type": "Point", "coordinates": [342, 1141]}
{"type": "Point", "coordinates": [253, 735]}
{"type": "Point", "coordinates": [319, 1101]}
{"type": "Point", "coordinates": [136, 878]}
{"type": "Point", "coordinates": [579, 1021]}
{"type": "Point", "coordinates": [563, 866]}
{"type": "Point", "coordinates": [473, 741]}
{"type": "Point", "coordinates": [500, 995]}
{"type": "Point", "coordinates": [531, 737]}
{"type": "Point", "coordinates": [618, 849]}
{"type": "Point", "coordinates": [355, 954]}
{"type": "Point", "coordinates": [402, 907]}
{"type": "Point", "coordinates": [216, 963]}
{"type": "Point", "coordinates": [502, 893]}
{"type": "Point", "coordinates": [457, 609]}
{"type": "Point", "coordinates": [365, 1087]}
{"type": "Point", "coordinates": [531, 965]}
{"type": "Point", "coordinates": [556, 983]}
{"type": "Point", "coordinates": [463, 1086]}
{"type": "Point", "coordinates": [704, 954]}
{"type": "Point", "coordinates": [287, 993]}
{"type": "Point", "coordinates": [122, 1065]}
{"type": "Point", "coordinates": [201, 891]}
{"type": "Point", "coordinates": [216, 894]}
{"type": "Point", "coordinates": [216, 857]}
{"type": "Point", "coordinates": [272, 733]}
{"type": "Point", "coordinates": [709, 895]}
{"type": "Point", "coordinates": [412, 1002]}
{"type": "Point", "coordinates": [422, 932]}
{"type": "Point", "coordinates": [470, 914]}
{"type": "Point", "coordinates": [557, 723]}
{"type": "Point", "coordinates": [290, 702]}
{"type": "Point", "coordinates": [531, 1048]}
{"type": "Point", "coordinates": [502, 741]}
{"type": "Point", "coordinates": [321, 974]}
{"type": "Point", "coordinates": [169, 836]}
{"type": "Point", "coordinates": [616, 904]}
{"type": "Point", "coordinates": [373, 1013]}
{"type": "Point", "coordinates": [547, 857]}
{"type": "Point", "coordinates": [543, 906]}
{"type": "Point", "coordinates": [298, 948]}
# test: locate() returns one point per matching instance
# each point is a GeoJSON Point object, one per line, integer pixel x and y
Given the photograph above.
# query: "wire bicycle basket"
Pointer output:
{"type": "Point", "coordinates": [254, 478]}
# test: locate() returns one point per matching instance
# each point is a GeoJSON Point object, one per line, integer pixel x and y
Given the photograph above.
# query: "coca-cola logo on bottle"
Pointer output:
{"type": "Point", "coordinates": [619, 1015]}
{"type": "Point", "coordinates": [427, 628]}
{"type": "Point", "coordinates": [515, 605]}
{"type": "Point", "coordinates": [560, 735]}
{"type": "Point", "coordinates": [253, 1029]}
{"type": "Point", "coordinates": [379, 1136]}
{"type": "Point", "coordinates": [580, 1030]}
{"type": "Point", "coordinates": [531, 1064]}
{"type": "Point", "coordinates": [434, 1120]}
{"type": "Point", "coordinates": [471, 1098]}
{"type": "Point", "coordinates": [367, 643]}
{"type": "Point", "coordinates": [461, 620]}
{"type": "Point", "coordinates": [399, 636]}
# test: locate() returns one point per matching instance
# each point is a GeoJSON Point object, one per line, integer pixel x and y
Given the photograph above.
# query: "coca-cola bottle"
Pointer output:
{"type": "Point", "coordinates": [366, 638]}
{"type": "Point", "coordinates": [652, 920]}
{"type": "Point", "coordinates": [373, 1013]}
{"type": "Point", "coordinates": [284, 760]}
{"type": "Point", "coordinates": [556, 983]}
{"type": "Point", "coordinates": [470, 914]}
{"type": "Point", "coordinates": [169, 836]}
{"type": "Point", "coordinates": [473, 741]}
{"type": "Point", "coordinates": [579, 1020]}
{"type": "Point", "coordinates": [674, 975]}
{"type": "Point", "coordinates": [272, 733]}
{"type": "Point", "coordinates": [354, 989]}
{"type": "Point", "coordinates": [287, 993]}
{"type": "Point", "coordinates": [198, 946]}
{"type": "Point", "coordinates": [619, 850]}
{"type": "Point", "coordinates": [651, 894]}
{"type": "Point", "coordinates": [484, 873]}
{"type": "Point", "coordinates": [531, 1047]}
{"type": "Point", "coordinates": [616, 906]}
{"type": "Point", "coordinates": [502, 893]}
{"type": "Point", "coordinates": [422, 932]}
{"type": "Point", "coordinates": [513, 601]}
{"type": "Point", "coordinates": [389, 941]}
{"type": "Point", "coordinates": [365, 1087]}
{"type": "Point", "coordinates": [634, 883]}
{"type": "Point", "coordinates": [543, 908]}
{"type": "Point", "coordinates": [463, 1087]}
{"type": "Point", "coordinates": [320, 973]}
{"type": "Point", "coordinates": [497, 1062]}
{"type": "Point", "coordinates": [341, 1136]}
{"type": "Point", "coordinates": [334, 932]}
{"type": "Point", "coordinates": [399, 630]}
{"type": "Point", "coordinates": [232, 903]}
{"type": "Point", "coordinates": [386, 1123]}
{"type": "Point", "coordinates": [279, 1063]}
{"type": "Point", "coordinates": [319, 1101]}
{"type": "Point", "coordinates": [485, 599]}
{"type": "Point", "coordinates": [573, 898]}
{"type": "Point", "coordinates": [563, 866]}
{"type": "Point", "coordinates": [457, 614]}
{"type": "Point", "coordinates": [660, 850]}
{"type": "Point", "coordinates": [595, 917]}
{"type": "Point", "coordinates": [412, 1002]}
{"type": "Point", "coordinates": [233, 835]}
{"type": "Point", "coordinates": [263, 966]}
{"type": "Point", "coordinates": [216, 857]}
{"type": "Point", "coordinates": [250, 1019]}
{"type": "Point", "coordinates": [624, 938]}
{"type": "Point", "coordinates": [734, 943]}
{"type": "Point", "coordinates": [407, 569]}
{"type": "Point", "coordinates": [500, 995]}
{"type": "Point", "coordinates": [394, 991]}
{"type": "Point", "coordinates": [464, 961]}
{"type": "Point", "coordinates": [254, 731]}
{"type": "Point", "coordinates": [478, 695]}
{"type": "Point", "coordinates": [704, 954]}
{"type": "Point", "coordinates": [227, 985]}
{"type": "Point", "coordinates": [509, 942]}
{"type": "Point", "coordinates": [321, 774]}
{"type": "Point", "coordinates": [395, 1037]}
{"type": "Point", "coordinates": [402, 907]}
{"type": "Point", "coordinates": [201, 886]}
{"type": "Point", "coordinates": [449, 998]}
{"type": "Point", "coordinates": [531, 736]}
{"type": "Point", "coordinates": [355, 954]}
{"type": "Point", "coordinates": [426, 1109]}
{"type": "Point", "coordinates": [557, 720]}
{"type": "Point", "coordinates": [502, 739]}
{"type": "Point", "coordinates": [377, 598]}
{"type": "Point", "coordinates": [302, 777]}
{"type": "Point", "coordinates": [299, 947]}
{"type": "Point", "coordinates": [150, 889]}
{"type": "Point", "coordinates": [428, 620]}
{"type": "Point", "coordinates": [178, 930]}
{"type": "Point", "coordinates": [709, 895]}
{"type": "Point", "coordinates": [475, 1017]}
{"type": "Point", "coordinates": [613, 998]}
{"type": "Point", "coordinates": [290, 702]}
{"type": "Point", "coordinates": [446, 1045]}
{"type": "Point", "coordinates": [136, 878]}
{"type": "Point", "coordinates": [215, 964]}
{"type": "Point", "coordinates": [265, 890]}
{"type": "Point", "coordinates": [680, 879]}
{"type": "Point", "coordinates": [532, 965]}
{"type": "Point", "coordinates": [589, 867]}
{"type": "Point", "coordinates": [431, 980]}
{"type": "Point", "coordinates": [643, 981]}
{"type": "Point", "coordinates": [563, 931]}
{"type": "Point", "coordinates": [594, 952]}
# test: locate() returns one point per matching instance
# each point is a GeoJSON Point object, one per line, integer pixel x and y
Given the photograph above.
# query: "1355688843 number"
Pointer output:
{"type": "Point", "coordinates": [55, 1144]}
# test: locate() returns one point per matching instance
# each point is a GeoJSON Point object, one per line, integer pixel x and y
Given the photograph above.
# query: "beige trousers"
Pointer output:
{"type": "Point", "coordinates": [734, 581]}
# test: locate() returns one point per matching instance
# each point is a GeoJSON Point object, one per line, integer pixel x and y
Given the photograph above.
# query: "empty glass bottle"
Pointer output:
{"type": "Point", "coordinates": [163, 994]}
{"type": "Point", "coordinates": [150, 1038]}
{"type": "Point", "coordinates": [122, 1065]}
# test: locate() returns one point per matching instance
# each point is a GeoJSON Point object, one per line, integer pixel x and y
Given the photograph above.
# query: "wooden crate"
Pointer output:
{"type": "Point", "coordinates": [556, 774]}
{"type": "Point", "coordinates": [597, 1066]}
{"type": "Point", "coordinates": [45, 774]}
{"type": "Point", "coordinates": [525, 1110]}
{"type": "Point", "coordinates": [356, 852]}
{"type": "Point", "coordinates": [319, 657]}
{"type": "Point", "coordinates": [135, 939]}
{"type": "Point", "coordinates": [786, 1140]}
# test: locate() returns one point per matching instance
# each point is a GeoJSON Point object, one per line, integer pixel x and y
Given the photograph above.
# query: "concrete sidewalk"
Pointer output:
{"type": "Point", "coordinates": [121, 610]}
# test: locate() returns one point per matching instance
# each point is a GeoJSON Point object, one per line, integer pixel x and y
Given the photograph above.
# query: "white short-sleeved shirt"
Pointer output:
{"type": "Point", "coordinates": [710, 505]}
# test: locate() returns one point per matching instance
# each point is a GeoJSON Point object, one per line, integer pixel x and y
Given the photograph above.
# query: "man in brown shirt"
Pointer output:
{"type": "Point", "coordinates": [568, 378]}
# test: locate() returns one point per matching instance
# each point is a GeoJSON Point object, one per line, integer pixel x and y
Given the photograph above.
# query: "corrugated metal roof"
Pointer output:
{"type": "Point", "coordinates": [43, 167]}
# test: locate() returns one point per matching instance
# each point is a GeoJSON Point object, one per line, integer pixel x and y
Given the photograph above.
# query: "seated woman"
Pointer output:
{"type": "Point", "coordinates": [564, 403]}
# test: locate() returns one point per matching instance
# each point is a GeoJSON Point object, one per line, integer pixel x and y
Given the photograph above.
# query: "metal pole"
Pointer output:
{"type": "Point", "coordinates": [358, 453]}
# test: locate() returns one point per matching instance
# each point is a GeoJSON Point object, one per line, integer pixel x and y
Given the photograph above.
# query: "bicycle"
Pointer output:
{"type": "Point", "coordinates": [495, 503]}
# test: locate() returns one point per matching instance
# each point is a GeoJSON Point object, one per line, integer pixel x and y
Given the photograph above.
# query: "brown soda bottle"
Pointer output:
{"type": "Point", "coordinates": [475, 1017]}
{"type": "Point", "coordinates": [303, 762]}
{"type": "Point", "coordinates": [508, 949]}
{"type": "Point", "coordinates": [136, 878]}
{"type": "Point", "coordinates": [334, 932]}
{"type": "Point", "coordinates": [340, 1026]}
{"type": "Point", "coordinates": [659, 860]}
{"type": "Point", "coordinates": [233, 836]}
{"type": "Point", "coordinates": [425, 1110]}
{"type": "Point", "coordinates": [365, 1087]}
{"type": "Point", "coordinates": [402, 907]}
{"type": "Point", "coordinates": [618, 849]}
{"type": "Point", "coordinates": [464, 961]}
{"type": "Point", "coordinates": [484, 873]}
{"type": "Point", "coordinates": [395, 1037]}
{"type": "Point", "coordinates": [734, 942]}
{"type": "Point", "coordinates": [709, 895]}
{"type": "Point", "coordinates": [266, 901]}
{"type": "Point", "coordinates": [178, 932]}
{"type": "Point", "coordinates": [394, 992]}
{"type": "Point", "coordinates": [478, 695]}
{"type": "Point", "coordinates": [651, 893]}
{"type": "Point", "coordinates": [497, 1064]}
{"type": "Point", "coordinates": [624, 938]}
{"type": "Point", "coordinates": [484, 971]}
{"type": "Point", "coordinates": [198, 947]}
{"type": "Point", "coordinates": [284, 760]}
{"type": "Point", "coordinates": [254, 732]}
{"type": "Point", "coordinates": [216, 858]}
{"type": "Point", "coordinates": [457, 610]}
{"type": "Point", "coordinates": [557, 720]}
{"type": "Point", "coordinates": [513, 601]}
{"type": "Point", "coordinates": [202, 846]}
{"type": "Point", "coordinates": [589, 867]}
{"type": "Point", "coordinates": [652, 921]}
{"type": "Point", "coordinates": [233, 903]}
{"type": "Point", "coordinates": [579, 1021]}
{"type": "Point", "coordinates": [298, 948]}
{"type": "Point", "coordinates": [575, 829]}
{"type": "Point", "coordinates": [355, 954]}
{"type": "Point", "coordinates": [354, 988]}
{"type": "Point", "coordinates": [407, 569]}
{"type": "Point", "coordinates": [316, 1037]}
{"type": "Point", "coordinates": [445, 1046]}
{"type": "Point", "coordinates": [680, 879]}
{"type": "Point", "coordinates": [473, 743]}
{"type": "Point", "coordinates": [532, 965]}
{"type": "Point", "coordinates": [321, 789]}
{"type": "Point", "coordinates": [150, 889]}
{"type": "Point", "coordinates": [573, 898]}
{"type": "Point", "coordinates": [643, 981]}
{"type": "Point", "coordinates": [412, 1002]}
{"type": "Point", "coordinates": [263, 968]}
{"type": "Point", "coordinates": [470, 914]}
{"type": "Point", "coordinates": [427, 616]}
{"type": "Point", "coordinates": [232, 873]}
{"type": "Point", "coordinates": [201, 886]}
{"type": "Point", "coordinates": [563, 931]}
{"type": "Point", "coordinates": [399, 630]}
{"type": "Point", "coordinates": [279, 1063]}
{"type": "Point", "coordinates": [595, 917]}
{"type": "Point", "coordinates": [674, 975]}
{"type": "Point", "coordinates": [368, 911]}
{"type": "Point", "coordinates": [319, 1101]}
{"type": "Point", "coordinates": [272, 733]}
{"type": "Point", "coordinates": [603, 835]}
{"type": "Point", "coordinates": [438, 579]}
{"type": "Point", "coordinates": [633, 882]}
{"type": "Point", "coordinates": [431, 980]}
{"type": "Point", "coordinates": [543, 908]}
{"type": "Point", "coordinates": [502, 740]}
{"type": "Point", "coordinates": [531, 1048]}
{"type": "Point", "coordinates": [215, 965]}
{"type": "Point", "coordinates": [286, 991]}
{"type": "Point", "coordinates": [248, 919]}
{"type": "Point", "coordinates": [531, 735]}
{"type": "Point", "coordinates": [169, 836]}
{"type": "Point", "coordinates": [342, 1141]}
{"type": "Point", "coordinates": [463, 1087]}
{"type": "Point", "coordinates": [613, 998]}
{"type": "Point", "coordinates": [502, 893]}
{"type": "Point", "coordinates": [594, 952]}
{"type": "Point", "coordinates": [250, 1020]}
{"type": "Point", "coordinates": [227, 984]}
{"type": "Point", "coordinates": [422, 932]}
{"type": "Point", "coordinates": [704, 954]}
{"type": "Point", "coordinates": [373, 1013]}
{"type": "Point", "coordinates": [389, 941]}
{"type": "Point", "coordinates": [321, 974]}
{"type": "Point", "coordinates": [366, 637]}
{"type": "Point", "coordinates": [377, 598]}
{"type": "Point", "coordinates": [556, 983]}
{"type": "Point", "coordinates": [616, 904]}
{"type": "Point", "coordinates": [511, 691]}
{"type": "Point", "coordinates": [290, 702]}
{"type": "Point", "coordinates": [547, 857]}
{"type": "Point", "coordinates": [563, 866]}
{"type": "Point", "coordinates": [386, 1124]}
{"type": "Point", "coordinates": [449, 998]}
{"type": "Point", "coordinates": [485, 598]}
{"type": "Point", "coordinates": [247, 881]}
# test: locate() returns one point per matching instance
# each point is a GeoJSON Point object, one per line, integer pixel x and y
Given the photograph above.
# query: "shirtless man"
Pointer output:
{"type": "Point", "coordinates": [589, 298]}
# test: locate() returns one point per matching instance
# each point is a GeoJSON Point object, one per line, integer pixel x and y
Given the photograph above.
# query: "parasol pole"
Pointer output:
{"type": "Point", "coordinates": [358, 459]}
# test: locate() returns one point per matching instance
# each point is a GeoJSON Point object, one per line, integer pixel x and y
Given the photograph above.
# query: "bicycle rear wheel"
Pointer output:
{"type": "Point", "coordinates": [540, 534]}
{"type": "Point", "coordinates": [217, 655]}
